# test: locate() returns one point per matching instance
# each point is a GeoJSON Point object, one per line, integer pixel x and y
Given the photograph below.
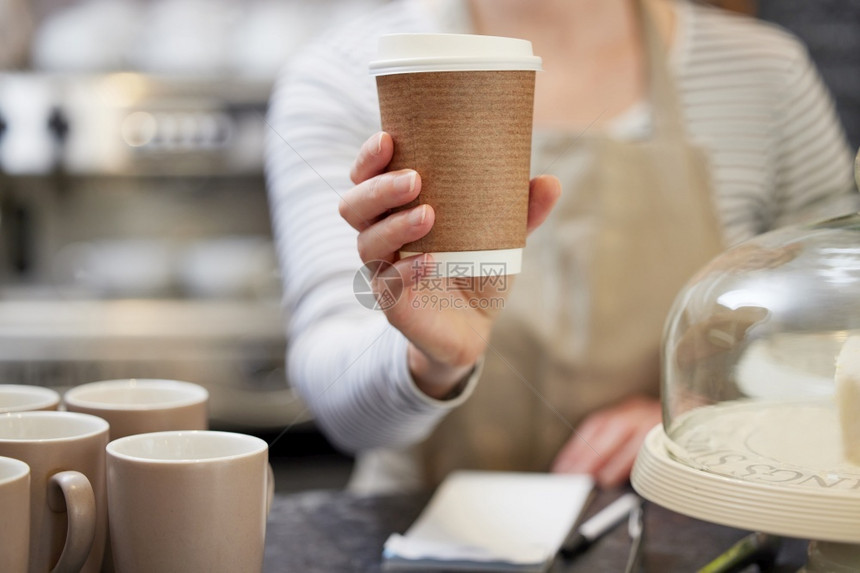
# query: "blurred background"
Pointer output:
{"type": "Point", "coordinates": [135, 238]}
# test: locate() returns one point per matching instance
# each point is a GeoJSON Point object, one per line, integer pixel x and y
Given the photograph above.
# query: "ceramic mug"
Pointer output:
{"type": "Point", "coordinates": [139, 406]}
{"type": "Point", "coordinates": [14, 516]}
{"type": "Point", "coordinates": [188, 502]}
{"type": "Point", "coordinates": [68, 509]}
{"type": "Point", "coordinates": [26, 398]}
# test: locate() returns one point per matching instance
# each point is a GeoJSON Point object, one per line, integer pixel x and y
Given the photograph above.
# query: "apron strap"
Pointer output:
{"type": "Point", "coordinates": [665, 104]}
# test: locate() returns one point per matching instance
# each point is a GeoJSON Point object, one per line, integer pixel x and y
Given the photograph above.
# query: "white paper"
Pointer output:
{"type": "Point", "coordinates": [490, 517]}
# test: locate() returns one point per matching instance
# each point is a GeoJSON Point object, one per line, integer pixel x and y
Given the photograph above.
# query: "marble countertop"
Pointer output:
{"type": "Point", "coordinates": [337, 532]}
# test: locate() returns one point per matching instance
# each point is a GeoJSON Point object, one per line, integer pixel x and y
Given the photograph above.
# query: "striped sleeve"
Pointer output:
{"type": "Point", "coordinates": [754, 101]}
{"type": "Point", "coordinates": [813, 162]}
{"type": "Point", "coordinates": [346, 361]}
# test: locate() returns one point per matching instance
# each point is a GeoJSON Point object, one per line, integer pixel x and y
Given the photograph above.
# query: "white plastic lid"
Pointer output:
{"type": "Point", "coordinates": [410, 53]}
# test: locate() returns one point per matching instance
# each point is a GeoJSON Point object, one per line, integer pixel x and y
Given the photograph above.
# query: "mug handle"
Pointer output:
{"type": "Point", "coordinates": [270, 487]}
{"type": "Point", "coordinates": [71, 492]}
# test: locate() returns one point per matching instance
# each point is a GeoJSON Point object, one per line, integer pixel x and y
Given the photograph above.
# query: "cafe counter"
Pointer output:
{"type": "Point", "coordinates": [338, 532]}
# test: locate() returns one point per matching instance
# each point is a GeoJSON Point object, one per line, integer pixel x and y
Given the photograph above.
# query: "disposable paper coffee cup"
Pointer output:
{"type": "Point", "coordinates": [460, 108]}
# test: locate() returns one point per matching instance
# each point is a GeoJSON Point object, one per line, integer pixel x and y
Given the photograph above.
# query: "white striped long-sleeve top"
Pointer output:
{"type": "Point", "coordinates": [751, 98]}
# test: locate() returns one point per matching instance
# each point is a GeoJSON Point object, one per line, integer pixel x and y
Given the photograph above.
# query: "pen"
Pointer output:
{"type": "Point", "coordinates": [758, 548]}
{"type": "Point", "coordinates": [599, 524]}
{"type": "Point", "coordinates": [635, 527]}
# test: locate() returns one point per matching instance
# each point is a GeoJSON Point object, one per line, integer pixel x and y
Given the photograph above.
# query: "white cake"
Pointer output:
{"type": "Point", "coordinates": [848, 397]}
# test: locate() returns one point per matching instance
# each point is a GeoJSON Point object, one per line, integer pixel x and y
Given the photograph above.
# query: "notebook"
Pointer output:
{"type": "Point", "coordinates": [491, 521]}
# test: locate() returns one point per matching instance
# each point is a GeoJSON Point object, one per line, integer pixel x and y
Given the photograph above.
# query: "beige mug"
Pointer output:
{"type": "Point", "coordinates": [26, 398]}
{"type": "Point", "coordinates": [68, 509]}
{"type": "Point", "coordinates": [14, 515]}
{"type": "Point", "coordinates": [139, 406]}
{"type": "Point", "coordinates": [188, 502]}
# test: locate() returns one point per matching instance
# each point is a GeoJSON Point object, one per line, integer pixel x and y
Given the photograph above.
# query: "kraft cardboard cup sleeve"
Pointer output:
{"type": "Point", "coordinates": [460, 110]}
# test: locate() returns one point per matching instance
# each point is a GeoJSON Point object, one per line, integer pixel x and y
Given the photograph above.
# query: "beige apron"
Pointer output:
{"type": "Point", "coordinates": [582, 327]}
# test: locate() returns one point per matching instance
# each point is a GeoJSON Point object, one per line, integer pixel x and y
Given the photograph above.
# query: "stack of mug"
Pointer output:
{"type": "Point", "coordinates": [128, 478]}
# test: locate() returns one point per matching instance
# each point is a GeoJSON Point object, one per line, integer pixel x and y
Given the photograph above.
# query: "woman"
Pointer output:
{"type": "Point", "coordinates": [675, 130]}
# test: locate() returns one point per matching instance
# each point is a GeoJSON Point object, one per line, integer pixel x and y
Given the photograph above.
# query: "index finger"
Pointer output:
{"type": "Point", "coordinates": [373, 157]}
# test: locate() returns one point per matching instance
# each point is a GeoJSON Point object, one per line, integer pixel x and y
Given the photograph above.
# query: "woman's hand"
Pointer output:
{"type": "Point", "coordinates": [606, 443]}
{"type": "Point", "coordinates": [447, 327]}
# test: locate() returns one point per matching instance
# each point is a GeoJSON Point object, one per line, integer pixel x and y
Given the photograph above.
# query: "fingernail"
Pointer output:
{"type": "Point", "coordinates": [416, 217]}
{"type": "Point", "coordinates": [379, 144]}
{"type": "Point", "coordinates": [405, 183]}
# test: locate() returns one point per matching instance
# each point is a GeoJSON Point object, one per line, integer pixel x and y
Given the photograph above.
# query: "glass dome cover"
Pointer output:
{"type": "Point", "coordinates": [750, 382]}
{"type": "Point", "coordinates": [761, 388]}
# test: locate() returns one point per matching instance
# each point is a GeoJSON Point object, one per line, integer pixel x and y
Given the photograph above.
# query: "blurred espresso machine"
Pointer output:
{"type": "Point", "coordinates": [135, 239]}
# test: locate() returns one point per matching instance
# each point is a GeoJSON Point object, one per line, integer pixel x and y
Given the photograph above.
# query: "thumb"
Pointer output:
{"type": "Point", "coordinates": [544, 191]}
